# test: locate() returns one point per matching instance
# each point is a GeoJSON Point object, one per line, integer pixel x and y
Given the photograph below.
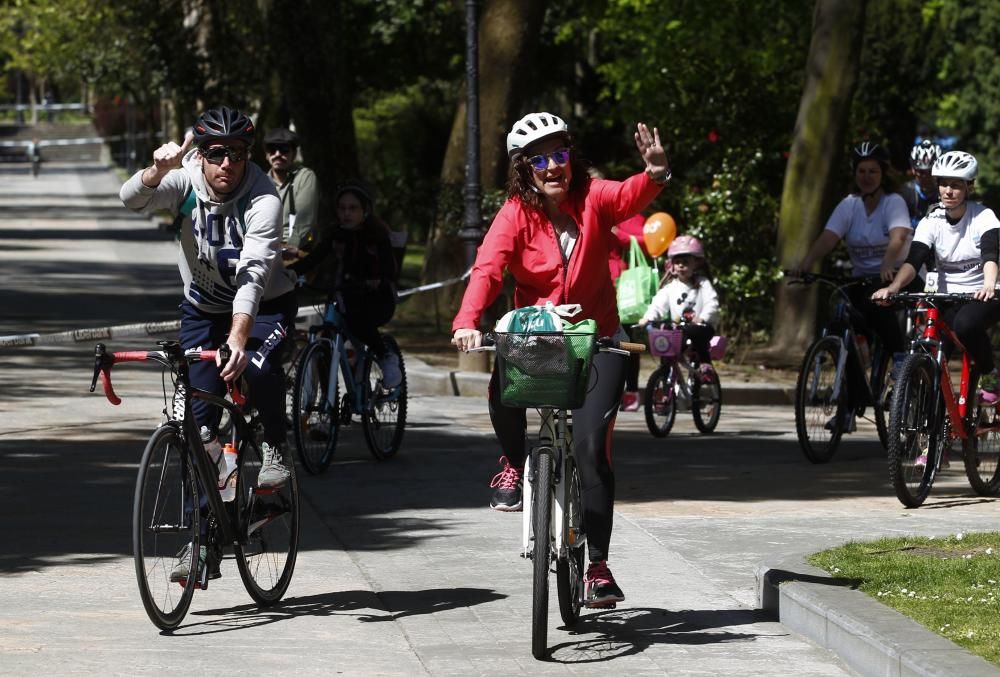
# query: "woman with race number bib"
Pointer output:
{"type": "Point", "coordinates": [552, 235]}
{"type": "Point", "coordinates": [964, 237]}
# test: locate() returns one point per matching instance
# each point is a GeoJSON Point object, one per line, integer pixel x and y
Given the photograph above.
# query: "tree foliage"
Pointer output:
{"type": "Point", "coordinates": [377, 88]}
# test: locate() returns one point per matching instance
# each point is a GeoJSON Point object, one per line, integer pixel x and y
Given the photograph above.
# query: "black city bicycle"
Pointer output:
{"type": "Point", "coordinates": [823, 404]}
{"type": "Point", "coordinates": [336, 377]}
{"type": "Point", "coordinates": [178, 509]}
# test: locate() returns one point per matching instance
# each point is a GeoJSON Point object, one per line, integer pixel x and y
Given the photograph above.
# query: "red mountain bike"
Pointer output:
{"type": "Point", "coordinates": [926, 412]}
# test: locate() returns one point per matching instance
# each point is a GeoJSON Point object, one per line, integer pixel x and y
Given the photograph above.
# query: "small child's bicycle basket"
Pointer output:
{"type": "Point", "coordinates": [544, 369]}
{"type": "Point", "coordinates": [665, 342]}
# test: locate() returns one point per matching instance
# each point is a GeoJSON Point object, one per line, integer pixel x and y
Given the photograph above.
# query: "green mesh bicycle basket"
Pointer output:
{"type": "Point", "coordinates": [544, 369]}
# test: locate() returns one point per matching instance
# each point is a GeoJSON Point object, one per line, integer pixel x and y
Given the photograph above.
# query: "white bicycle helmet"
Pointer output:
{"type": "Point", "coordinates": [924, 154]}
{"type": "Point", "coordinates": [956, 164]}
{"type": "Point", "coordinates": [531, 128]}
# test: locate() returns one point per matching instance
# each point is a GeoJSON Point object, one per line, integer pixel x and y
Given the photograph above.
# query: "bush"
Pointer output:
{"type": "Point", "coordinates": [735, 214]}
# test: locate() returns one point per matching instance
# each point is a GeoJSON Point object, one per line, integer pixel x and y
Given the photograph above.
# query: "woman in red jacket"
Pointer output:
{"type": "Point", "coordinates": [552, 236]}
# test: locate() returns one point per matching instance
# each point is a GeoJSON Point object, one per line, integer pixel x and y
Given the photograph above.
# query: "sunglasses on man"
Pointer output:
{"type": "Point", "coordinates": [218, 154]}
{"type": "Point", "coordinates": [282, 148]}
{"type": "Point", "coordinates": [541, 162]}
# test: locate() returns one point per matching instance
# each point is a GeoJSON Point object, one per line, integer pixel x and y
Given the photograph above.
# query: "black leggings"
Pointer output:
{"type": "Point", "coordinates": [592, 427]}
{"type": "Point", "coordinates": [700, 336]}
{"type": "Point", "coordinates": [971, 322]}
{"type": "Point", "coordinates": [365, 313]}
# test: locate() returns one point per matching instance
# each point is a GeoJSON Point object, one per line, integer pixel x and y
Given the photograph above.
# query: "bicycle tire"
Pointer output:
{"type": "Point", "coordinates": [315, 421]}
{"type": "Point", "coordinates": [880, 389]}
{"type": "Point", "coordinates": [384, 419]}
{"type": "Point", "coordinates": [660, 401]}
{"type": "Point", "coordinates": [911, 434]}
{"type": "Point", "coordinates": [981, 452]}
{"type": "Point", "coordinates": [706, 401]}
{"type": "Point", "coordinates": [268, 525]}
{"type": "Point", "coordinates": [163, 522]}
{"type": "Point", "coordinates": [541, 507]}
{"type": "Point", "coordinates": [818, 417]}
{"type": "Point", "coordinates": [569, 569]}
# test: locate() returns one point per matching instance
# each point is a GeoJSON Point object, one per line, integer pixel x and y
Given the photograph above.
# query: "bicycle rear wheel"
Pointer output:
{"type": "Point", "coordinates": [981, 450]}
{"type": "Point", "coordinates": [818, 415]}
{"type": "Point", "coordinates": [384, 419]}
{"type": "Point", "coordinates": [914, 444]}
{"type": "Point", "coordinates": [881, 388]}
{"type": "Point", "coordinates": [660, 403]}
{"type": "Point", "coordinates": [165, 520]}
{"type": "Point", "coordinates": [315, 415]}
{"type": "Point", "coordinates": [268, 524]}
{"type": "Point", "coordinates": [541, 512]}
{"type": "Point", "coordinates": [706, 400]}
{"type": "Point", "coordinates": [569, 569]}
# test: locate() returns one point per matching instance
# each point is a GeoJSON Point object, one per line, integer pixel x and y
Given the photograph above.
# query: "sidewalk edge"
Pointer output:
{"type": "Point", "coordinates": [868, 636]}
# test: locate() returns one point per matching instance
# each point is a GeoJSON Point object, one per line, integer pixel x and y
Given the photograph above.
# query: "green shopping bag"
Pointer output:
{"type": "Point", "coordinates": [636, 286]}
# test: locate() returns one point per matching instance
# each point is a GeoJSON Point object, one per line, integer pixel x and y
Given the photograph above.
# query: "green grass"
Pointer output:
{"type": "Point", "coordinates": [950, 585]}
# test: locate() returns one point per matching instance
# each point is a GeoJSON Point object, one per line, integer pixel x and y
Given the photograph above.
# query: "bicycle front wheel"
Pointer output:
{"type": "Point", "coordinates": [384, 419]}
{"type": "Point", "coordinates": [569, 568]}
{"type": "Point", "coordinates": [541, 515]}
{"type": "Point", "coordinates": [165, 522]}
{"type": "Point", "coordinates": [268, 523]}
{"type": "Point", "coordinates": [914, 444]}
{"type": "Point", "coordinates": [706, 400]}
{"type": "Point", "coordinates": [981, 450]}
{"type": "Point", "coordinates": [315, 413]}
{"type": "Point", "coordinates": [818, 414]}
{"type": "Point", "coordinates": [659, 402]}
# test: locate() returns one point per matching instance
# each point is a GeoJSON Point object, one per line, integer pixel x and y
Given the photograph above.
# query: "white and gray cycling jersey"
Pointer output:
{"type": "Point", "coordinates": [230, 251]}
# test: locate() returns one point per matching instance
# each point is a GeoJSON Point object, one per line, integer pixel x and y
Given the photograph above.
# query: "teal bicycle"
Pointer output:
{"type": "Point", "coordinates": [337, 378]}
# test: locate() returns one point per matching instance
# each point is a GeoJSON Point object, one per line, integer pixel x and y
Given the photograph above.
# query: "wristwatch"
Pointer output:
{"type": "Point", "coordinates": [663, 179]}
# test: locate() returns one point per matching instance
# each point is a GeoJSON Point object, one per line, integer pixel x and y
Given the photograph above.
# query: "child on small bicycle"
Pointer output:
{"type": "Point", "coordinates": [964, 237]}
{"type": "Point", "coordinates": [687, 297]}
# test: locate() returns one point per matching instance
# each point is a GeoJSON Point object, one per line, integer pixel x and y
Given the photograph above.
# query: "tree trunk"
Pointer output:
{"type": "Point", "coordinates": [817, 150]}
{"type": "Point", "coordinates": [308, 39]}
{"type": "Point", "coordinates": [508, 37]}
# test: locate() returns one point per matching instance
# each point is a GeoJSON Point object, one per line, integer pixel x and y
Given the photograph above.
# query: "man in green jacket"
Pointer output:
{"type": "Point", "coordinates": [297, 189]}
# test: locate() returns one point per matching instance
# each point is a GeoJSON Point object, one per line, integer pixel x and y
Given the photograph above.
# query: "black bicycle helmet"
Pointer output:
{"type": "Point", "coordinates": [869, 150]}
{"type": "Point", "coordinates": [359, 187]}
{"type": "Point", "coordinates": [223, 124]}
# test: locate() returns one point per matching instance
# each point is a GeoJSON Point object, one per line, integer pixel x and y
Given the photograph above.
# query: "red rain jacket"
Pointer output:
{"type": "Point", "coordinates": [523, 241]}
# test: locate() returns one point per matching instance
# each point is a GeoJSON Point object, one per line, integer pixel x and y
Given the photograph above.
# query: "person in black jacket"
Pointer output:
{"type": "Point", "coordinates": [356, 256]}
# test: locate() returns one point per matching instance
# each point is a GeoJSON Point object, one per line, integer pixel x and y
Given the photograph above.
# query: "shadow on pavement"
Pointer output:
{"type": "Point", "coordinates": [68, 492]}
{"type": "Point", "coordinates": [389, 605]}
{"type": "Point", "coordinates": [631, 631]}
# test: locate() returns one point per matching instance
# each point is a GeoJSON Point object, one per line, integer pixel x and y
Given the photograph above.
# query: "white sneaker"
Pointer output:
{"type": "Point", "coordinates": [392, 376]}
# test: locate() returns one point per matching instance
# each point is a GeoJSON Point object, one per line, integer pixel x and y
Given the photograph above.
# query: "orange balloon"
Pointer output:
{"type": "Point", "coordinates": [658, 232]}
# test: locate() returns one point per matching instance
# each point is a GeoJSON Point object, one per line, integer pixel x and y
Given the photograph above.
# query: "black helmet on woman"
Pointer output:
{"type": "Point", "coordinates": [223, 124]}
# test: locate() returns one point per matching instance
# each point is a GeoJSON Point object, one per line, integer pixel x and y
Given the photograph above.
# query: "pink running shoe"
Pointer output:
{"type": "Point", "coordinates": [600, 589]}
{"type": "Point", "coordinates": [630, 401]}
{"type": "Point", "coordinates": [507, 482]}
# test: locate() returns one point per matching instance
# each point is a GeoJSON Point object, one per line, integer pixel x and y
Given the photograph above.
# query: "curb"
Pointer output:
{"type": "Point", "coordinates": [868, 636]}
